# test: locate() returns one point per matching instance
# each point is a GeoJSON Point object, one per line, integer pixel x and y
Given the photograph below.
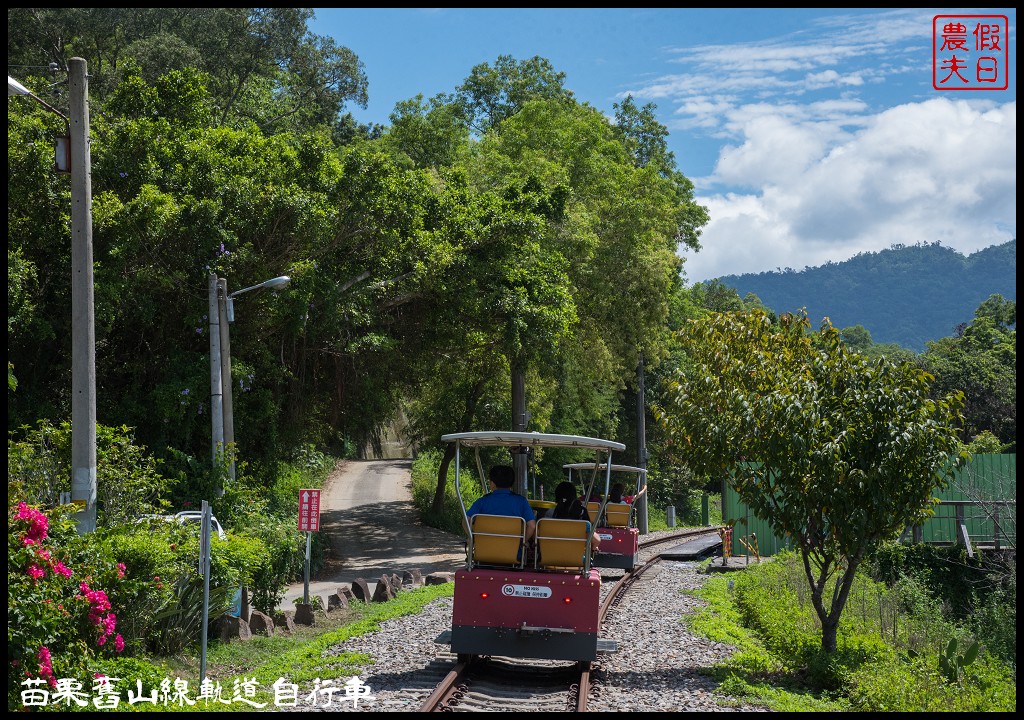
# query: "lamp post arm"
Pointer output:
{"type": "Point", "coordinates": [272, 283]}
{"type": "Point", "coordinates": [16, 88]}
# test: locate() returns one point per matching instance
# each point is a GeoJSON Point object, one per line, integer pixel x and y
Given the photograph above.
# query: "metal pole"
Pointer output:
{"type": "Point", "coordinates": [83, 332]}
{"type": "Point", "coordinates": [204, 563]}
{"type": "Point", "coordinates": [305, 581]}
{"type": "Point", "coordinates": [216, 386]}
{"type": "Point", "coordinates": [641, 441]}
{"type": "Point", "coordinates": [225, 374]}
{"type": "Point", "coordinates": [519, 461]}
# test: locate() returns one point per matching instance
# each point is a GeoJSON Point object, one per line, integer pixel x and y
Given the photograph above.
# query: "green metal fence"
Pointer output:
{"type": "Point", "coordinates": [979, 504]}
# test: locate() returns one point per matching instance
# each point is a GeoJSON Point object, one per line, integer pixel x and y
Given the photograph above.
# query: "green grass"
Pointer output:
{"type": "Point", "coordinates": [778, 662]}
{"type": "Point", "coordinates": [298, 658]}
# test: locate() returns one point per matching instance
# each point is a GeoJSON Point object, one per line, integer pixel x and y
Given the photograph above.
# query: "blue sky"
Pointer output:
{"type": "Point", "coordinates": [811, 135]}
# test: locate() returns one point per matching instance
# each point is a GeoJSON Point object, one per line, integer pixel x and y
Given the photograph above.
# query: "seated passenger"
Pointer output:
{"type": "Point", "coordinates": [568, 507]}
{"type": "Point", "coordinates": [502, 501]}
{"type": "Point", "coordinates": [615, 494]}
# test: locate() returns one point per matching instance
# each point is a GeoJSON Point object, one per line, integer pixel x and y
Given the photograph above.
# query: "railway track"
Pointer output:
{"type": "Point", "coordinates": [489, 684]}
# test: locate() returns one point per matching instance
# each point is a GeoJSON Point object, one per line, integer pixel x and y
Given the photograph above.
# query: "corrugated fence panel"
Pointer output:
{"type": "Point", "coordinates": [973, 488]}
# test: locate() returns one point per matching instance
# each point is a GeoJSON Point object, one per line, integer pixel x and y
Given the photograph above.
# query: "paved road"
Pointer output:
{"type": "Point", "coordinates": [366, 510]}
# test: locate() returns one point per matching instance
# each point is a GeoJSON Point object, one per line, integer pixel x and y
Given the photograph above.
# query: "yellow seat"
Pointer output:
{"type": "Point", "coordinates": [617, 514]}
{"type": "Point", "coordinates": [593, 508]}
{"type": "Point", "coordinates": [497, 539]}
{"type": "Point", "coordinates": [563, 544]}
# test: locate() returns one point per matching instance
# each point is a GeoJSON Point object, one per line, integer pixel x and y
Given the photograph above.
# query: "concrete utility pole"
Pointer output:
{"type": "Point", "coordinates": [83, 331]}
{"type": "Point", "coordinates": [221, 315]}
{"type": "Point", "coordinates": [225, 374]}
{"type": "Point", "coordinates": [216, 373]}
{"type": "Point", "coordinates": [641, 442]}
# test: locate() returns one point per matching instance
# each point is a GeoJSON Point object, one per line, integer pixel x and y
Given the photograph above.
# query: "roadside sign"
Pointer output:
{"type": "Point", "coordinates": [309, 510]}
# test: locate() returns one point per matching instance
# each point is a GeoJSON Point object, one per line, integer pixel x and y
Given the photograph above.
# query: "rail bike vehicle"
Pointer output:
{"type": "Point", "coordinates": [517, 600]}
{"type": "Point", "coordinates": [615, 522]}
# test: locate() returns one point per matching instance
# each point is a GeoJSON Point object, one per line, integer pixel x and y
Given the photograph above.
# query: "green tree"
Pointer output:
{"type": "Point", "coordinates": [429, 134]}
{"type": "Point", "coordinates": [856, 337]}
{"type": "Point", "coordinates": [716, 296]}
{"type": "Point", "coordinates": [834, 451]}
{"type": "Point", "coordinates": [263, 65]}
{"type": "Point", "coordinates": [490, 95]}
{"type": "Point", "coordinates": [981, 361]}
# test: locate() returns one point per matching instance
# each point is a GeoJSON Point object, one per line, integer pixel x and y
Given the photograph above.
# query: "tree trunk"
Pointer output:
{"type": "Point", "coordinates": [829, 629]}
{"type": "Point", "coordinates": [442, 479]}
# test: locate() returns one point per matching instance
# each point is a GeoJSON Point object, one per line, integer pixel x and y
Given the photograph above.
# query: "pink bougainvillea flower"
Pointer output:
{"type": "Point", "coordinates": [35, 572]}
{"type": "Point", "coordinates": [38, 523]}
{"type": "Point", "coordinates": [46, 666]}
{"type": "Point", "coordinates": [118, 642]}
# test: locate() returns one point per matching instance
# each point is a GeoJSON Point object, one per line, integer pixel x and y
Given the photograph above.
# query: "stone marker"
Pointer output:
{"type": "Point", "coordinates": [261, 623]}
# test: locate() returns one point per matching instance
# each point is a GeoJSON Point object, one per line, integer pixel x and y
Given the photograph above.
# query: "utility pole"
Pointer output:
{"type": "Point", "coordinates": [641, 442]}
{"type": "Point", "coordinates": [216, 385]}
{"type": "Point", "coordinates": [225, 374]}
{"type": "Point", "coordinates": [519, 460]}
{"type": "Point", "coordinates": [83, 330]}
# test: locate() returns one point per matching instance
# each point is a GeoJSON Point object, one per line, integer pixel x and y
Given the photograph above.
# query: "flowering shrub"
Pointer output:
{"type": "Point", "coordinates": [62, 603]}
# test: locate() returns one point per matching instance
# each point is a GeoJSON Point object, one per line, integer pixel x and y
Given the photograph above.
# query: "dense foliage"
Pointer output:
{"type": "Point", "coordinates": [501, 228]}
{"type": "Point", "coordinates": [833, 450]}
{"type": "Point", "coordinates": [890, 646]}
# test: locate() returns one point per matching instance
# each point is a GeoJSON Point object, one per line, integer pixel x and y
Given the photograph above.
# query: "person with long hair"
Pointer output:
{"type": "Point", "coordinates": [568, 507]}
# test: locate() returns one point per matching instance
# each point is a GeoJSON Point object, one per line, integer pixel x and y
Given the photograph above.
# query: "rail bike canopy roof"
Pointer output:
{"type": "Point", "coordinates": [603, 466]}
{"type": "Point", "coordinates": [509, 438]}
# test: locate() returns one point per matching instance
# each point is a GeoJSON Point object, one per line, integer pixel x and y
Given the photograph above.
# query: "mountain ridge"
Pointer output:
{"type": "Point", "coordinates": [906, 294]}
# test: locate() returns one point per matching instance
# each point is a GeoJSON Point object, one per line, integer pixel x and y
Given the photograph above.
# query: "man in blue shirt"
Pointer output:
{"type": "Point", "coordinates": [502, 501]}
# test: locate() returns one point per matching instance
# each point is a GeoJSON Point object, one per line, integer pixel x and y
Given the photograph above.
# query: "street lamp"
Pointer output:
{"type": "Point", "coordinates": [83, 334]}
{"type": "Point", "coordinates": [222, 314]}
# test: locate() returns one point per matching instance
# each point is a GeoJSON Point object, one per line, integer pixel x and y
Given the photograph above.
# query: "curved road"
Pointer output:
{"type": "Point", "coordinates": [366, 511]}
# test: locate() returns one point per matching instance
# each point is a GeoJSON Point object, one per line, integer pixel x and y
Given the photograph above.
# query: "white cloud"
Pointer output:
{"type": "Point", "coordinates": [940, 170]}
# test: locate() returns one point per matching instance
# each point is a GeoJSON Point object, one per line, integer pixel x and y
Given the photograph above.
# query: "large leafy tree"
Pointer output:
{"type": "Point", "coordinates": [262, 65]}
{"type": "Point", "coordinates": [617, 232]}
{"type": "Point", "coordinates": [173, 199]}
{"type": "Point", "coordinates": [504, 300]}
{"type": "Point", "coordinates": [429, 134]}
{"type": "Point", "coordinates": [981, 360]}
{"type": "Point", "coordinates": [492, 94]}
{"type": "Point", "coordinates": [834, 451]}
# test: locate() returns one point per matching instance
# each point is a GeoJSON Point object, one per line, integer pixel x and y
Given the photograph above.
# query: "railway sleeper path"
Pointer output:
{"type": "Point", "coordinates": [512, 684]}
{"type": "Point", "coordinates": [657, 667]}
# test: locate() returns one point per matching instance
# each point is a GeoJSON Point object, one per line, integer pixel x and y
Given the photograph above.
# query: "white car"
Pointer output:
{"type": "Point", "coordinates": [196, 516]}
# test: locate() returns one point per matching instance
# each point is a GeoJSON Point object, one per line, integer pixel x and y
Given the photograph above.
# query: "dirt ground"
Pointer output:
{"type": "Point", "coordinates": [366, 510]}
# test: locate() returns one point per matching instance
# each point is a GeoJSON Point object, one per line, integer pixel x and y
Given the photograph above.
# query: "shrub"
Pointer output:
{"type": "Point", "coordinates": [424, 486]}
{"type": "Point", "coordinates": [280, 560]}
{"type": "Point", "coordinates": [64, 596]}
{"type": "Point", "coordinates": [128, 486]}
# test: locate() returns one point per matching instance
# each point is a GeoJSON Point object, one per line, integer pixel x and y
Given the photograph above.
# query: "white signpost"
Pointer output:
{"type": "Point", "coordinates": [309, 522]}
{"type": "Point", "coordinates": [204, 568]}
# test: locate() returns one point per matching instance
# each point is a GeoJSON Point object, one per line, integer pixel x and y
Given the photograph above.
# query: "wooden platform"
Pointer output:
{"type": "Point", "coordinates": [696, 549]}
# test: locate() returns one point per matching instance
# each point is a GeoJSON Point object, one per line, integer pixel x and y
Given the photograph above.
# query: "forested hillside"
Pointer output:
{"type": "Point", "coordinates": [906, 295]}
